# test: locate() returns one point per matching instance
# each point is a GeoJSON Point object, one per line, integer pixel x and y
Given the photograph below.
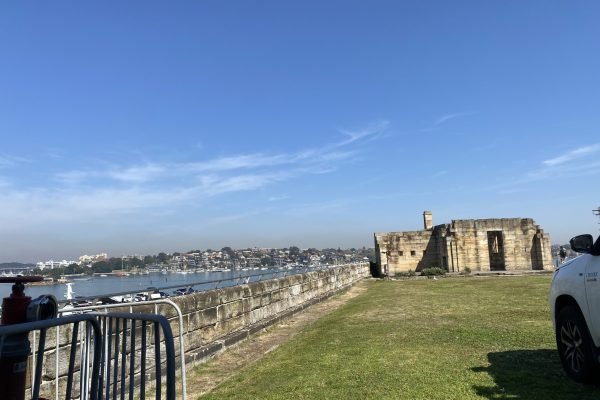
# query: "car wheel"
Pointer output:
{"type": "Point", "coordinates": [575, 345]}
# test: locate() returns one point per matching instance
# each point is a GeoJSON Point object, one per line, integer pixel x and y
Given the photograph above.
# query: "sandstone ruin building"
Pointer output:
{"type": "Point", "coordinates": [479, 244]}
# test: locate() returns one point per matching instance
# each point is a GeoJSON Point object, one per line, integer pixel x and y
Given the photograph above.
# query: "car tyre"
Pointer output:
{"type": "Point", "coordinates": [575, 346]}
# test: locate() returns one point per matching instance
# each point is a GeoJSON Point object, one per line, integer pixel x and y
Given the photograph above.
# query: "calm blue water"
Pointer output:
{"type": "Point", "coordinates": [98, 286]}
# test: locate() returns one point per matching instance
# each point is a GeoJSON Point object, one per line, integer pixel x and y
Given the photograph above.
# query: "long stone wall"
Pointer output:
{"type": "Point", "coordinates": [217, 319]}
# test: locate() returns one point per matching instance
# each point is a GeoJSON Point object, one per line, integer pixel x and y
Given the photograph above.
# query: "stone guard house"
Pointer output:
{"type": "Point", "coordinates": [480, 244]}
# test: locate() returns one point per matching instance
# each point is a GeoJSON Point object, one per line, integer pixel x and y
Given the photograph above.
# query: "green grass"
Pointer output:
{"type": "Point", "coordinates": [463, 338]}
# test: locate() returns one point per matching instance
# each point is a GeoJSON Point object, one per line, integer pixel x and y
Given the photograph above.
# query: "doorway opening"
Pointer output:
{"type": "Point", "coordinates": [496, 250]}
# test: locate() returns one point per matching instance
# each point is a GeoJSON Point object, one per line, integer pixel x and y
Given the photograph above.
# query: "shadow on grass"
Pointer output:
{"type": "Point", "coordinates": [531, 374]}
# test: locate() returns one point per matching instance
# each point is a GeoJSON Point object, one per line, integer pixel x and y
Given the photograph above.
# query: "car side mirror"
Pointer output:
{"type": "Point", "coordinates": [582, 243]}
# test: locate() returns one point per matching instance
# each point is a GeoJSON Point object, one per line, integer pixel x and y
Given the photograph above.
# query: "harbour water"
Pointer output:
{"type": "Point", "coordinates": [97, 286]}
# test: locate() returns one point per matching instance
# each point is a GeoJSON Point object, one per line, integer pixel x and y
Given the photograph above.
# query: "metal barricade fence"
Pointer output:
{"type": "Point", "coordinates": [108, 356]}
{"type": "Point", "coordinates": [88, 376]}
{"type": "Point", "coordinates": [122, 372]}
{"type": "Point", "coordinates": [155, 303]}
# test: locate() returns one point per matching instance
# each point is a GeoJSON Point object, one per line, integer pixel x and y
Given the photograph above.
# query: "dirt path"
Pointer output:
{"type": "Point", "coordinates": [210, 375]}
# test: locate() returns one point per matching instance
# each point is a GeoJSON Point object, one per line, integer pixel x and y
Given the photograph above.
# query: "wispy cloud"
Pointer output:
{"type": "Point", "coordinates": [224, 219]}
{"type": "Point", "coordinates": [55, 153]}
{"type": "Point", "coordinates": [7, 161]}
{"type": "Point", "coordinates": [243, 161]}
{"type": "Point", "coordinates": [576, 162]}
{"type": "Point", "coordinates": [154, 171]}
{"type": "Point", "coordinates": [573, 155]}
{"type": "Point", "coordinates": [370, 132]}
{"type": "Point", "coordinates": [511, 190]}
{"type": "Point", "coordinates": [312, 160]}
{"type": "Point", "coordinates": [121, 189]}
{"type": "Point", "coordinates": [563, 171]}
{"type": "Point", "coordinates": [437, 125]}
{"type": "Point", "coordinates": [327, 207]}
{"type": "Point", "coordinates": [278, 198]}
{"type": "Point", "coordinates": [447, 117]}
{"type": "Point", "coordinates": [240, 183]}
{"type": "Point", "coordinates": [141, 173]}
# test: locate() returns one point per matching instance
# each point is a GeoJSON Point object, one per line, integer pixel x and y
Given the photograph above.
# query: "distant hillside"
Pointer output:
{"type": "Point", "coordinates": [9, 265]}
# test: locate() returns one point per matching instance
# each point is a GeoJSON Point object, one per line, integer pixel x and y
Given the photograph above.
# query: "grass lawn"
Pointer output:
{"type": "Point", "coordinates": [461, 338]}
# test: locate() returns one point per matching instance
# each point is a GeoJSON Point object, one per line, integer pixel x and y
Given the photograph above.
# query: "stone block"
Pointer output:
{"type": "Point", "coordinates": [230, 310]}
{"type": "Point", "coordinates": [47, 388]}
{"type": "Point", "coordinates": [232, 294]}
{"type": "Point", "coordinates": [193, 340]}
{"type": "Point", "coordinates": [174, 323]}
{"type": "Point", "coordinates": [255, 288]}
{"type": "Point", "coordinates": [295, 280]}
{"type": "Point", "coordinates": [255, 328]}
{"type": "Point", "coordinates": [230, 325]}
{"type": "Point", "coordinates": [248, 303]}
{"type": "Point", "coordinates": [257, 315]}
{"type": "Point", "coordinates": [202, 318]}
{"type": "Point", "coordinates": [235, 337]}
{"type": "Point", "coordinates": [266, 298]}
{"type": "Point", "coordinates": [167, 310]}
{"type": "Point", "coordinates": [186, 303]}
{"type": "Point", "coordinates": [209, 333]}
{"type": "Point", "coordinates": [284, 294]}
{"type": "Point", "coordinates": [65, 333]}
{"type": "Point", "coordinates": [208, 350]}
{"type": "Point", "coordinates": [295, 290]}
{"type": "Point", "coordinates": [271, 285]}
{"type": "Point", "coordinates": [208, 299]}
{"type": "Point", "coordinates": [275, 296]}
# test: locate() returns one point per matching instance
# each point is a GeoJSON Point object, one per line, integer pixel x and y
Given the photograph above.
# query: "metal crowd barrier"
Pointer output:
{"type": "Point", "coordinates": [106, 307]}
{"type": "Point", "coordinates": [108, 356]}
{"type": "Point", "coordinates": [119, 356]}
{"type": "Point", "coordinates": [88, 377]}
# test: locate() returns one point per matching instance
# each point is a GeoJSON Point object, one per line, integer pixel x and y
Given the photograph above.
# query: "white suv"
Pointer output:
{"type": "Point", "coordinates": [575, 309]}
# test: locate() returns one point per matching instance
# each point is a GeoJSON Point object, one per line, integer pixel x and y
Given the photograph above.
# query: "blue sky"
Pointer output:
{"type": "Point", "coordinates": [142, 127]}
